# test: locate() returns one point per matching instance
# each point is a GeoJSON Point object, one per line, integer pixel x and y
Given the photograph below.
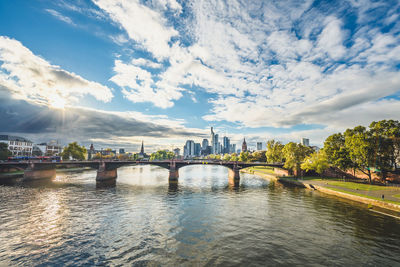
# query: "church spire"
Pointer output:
{"type": "Point", "coordinates": [142, 149]}
{"type": "Point", "coordinates": [244, 145]}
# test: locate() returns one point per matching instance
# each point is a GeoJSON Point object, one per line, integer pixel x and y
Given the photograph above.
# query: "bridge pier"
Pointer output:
{"type": "Point", "coordinates": [105, 175]}
{"type": "Point", "coordinates": [234, 176]}
{"type": "Point", "coordinates": [32, 173]}
{"type": "Point", "coordinates": [173, 175]}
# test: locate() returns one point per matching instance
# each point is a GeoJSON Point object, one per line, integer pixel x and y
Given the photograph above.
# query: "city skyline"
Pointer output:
{"type": "Point", "coordinates": [119, 72]}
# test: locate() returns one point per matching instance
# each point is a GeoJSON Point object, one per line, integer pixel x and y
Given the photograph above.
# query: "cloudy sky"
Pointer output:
{"type": "Point", "coordinates": [115, 72]}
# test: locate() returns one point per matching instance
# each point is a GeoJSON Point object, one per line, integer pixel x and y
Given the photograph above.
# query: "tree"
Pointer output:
{"type": "Point", "coordinates": [244, 156]}
{"type": "Point", "coordinates": [123, 157]}
{"type": "Point", "coordinates": [74, 151]}
{"type": "Point", "coordinates": [258, 156]}
{"type": "Point", "coordinates": [162, 155]}
{"type": "Point", "coordinates": [227, 157]}
{"type": "Point", "coordinates": [336, 152]}
{"type": "Point", "coordinates": [294, 155]}
{"type": "Point", "coordinates": [317, 161]}
{"type": "Point", "coordinates": [387, 145]}
{"type": "Point", "coordinates": [274, 152]}
{"type": "Point", "coordinates": [360, 145]}
{"type": "Point", "coordinates": [234, 157]}
{"type": "Point", "coordinates": [4, 152]}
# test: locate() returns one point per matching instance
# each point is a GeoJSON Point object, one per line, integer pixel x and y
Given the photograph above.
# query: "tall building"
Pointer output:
{"type": "Point", "coordinates": [305, 141]}
{"type": "Point", "coordinates": [226, 146]}
{"type": "Point", "coordinates": [197, 149]}
{"type": "Point", "coordinates": [19, 146]}
{"type": "Point", "coordinates": [259, 146]}
{"type": "Point", "coordinates": [212, 137]}
{"type": "Point", "coordinates": [204, 144]}
{"type": "Point", "coordinates": [188, 150]}
{"type": "Point", "coordinates": [216, 146]}
{"type": "Point", "coordinates": [244, 145]}
{"type": "Point", "coordinates": [232, 148]}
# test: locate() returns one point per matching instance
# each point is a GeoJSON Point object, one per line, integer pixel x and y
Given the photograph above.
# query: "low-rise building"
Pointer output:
{"type": "Point", "coordinates": [19, 146]}
{"type": "Point", "coordinates": [52, 148]}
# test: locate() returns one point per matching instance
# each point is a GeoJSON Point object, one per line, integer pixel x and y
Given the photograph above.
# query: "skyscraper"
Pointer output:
{"type": "Point", "coordinates": [212, 141]}
{"type": "Point", "coordinates": [197, 149]}
{"type": "Point", "coordinates": [216, 147]}
{"type": "Point", "coordinates": [259, 146]}
{"type": "Point", "coordinates": [188, 150]}
{"type": "Point", "coordinates": [305, 141]}
{"type": "Point", "coordinates": [226, 145]}
{"type": "Point", "coordinates": [204, 144]}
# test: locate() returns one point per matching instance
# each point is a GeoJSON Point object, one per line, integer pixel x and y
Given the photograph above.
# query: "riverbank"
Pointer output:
{"type": "Point", "coordinates": [369, 195]}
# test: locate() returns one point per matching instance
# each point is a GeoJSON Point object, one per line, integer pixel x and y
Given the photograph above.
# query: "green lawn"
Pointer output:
{"type": "Point", "coordinates": [357, 186]}
{"type": "Point", "coordinates": [264, 169]}
{"type": "Point", "coordinates": [362, 195]}
{"type": "Point", "coordinates": [317, 178]}
{"type": "Point", "coordinates": [398, 196]}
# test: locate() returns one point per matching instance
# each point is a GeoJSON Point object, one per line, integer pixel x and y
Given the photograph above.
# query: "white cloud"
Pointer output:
{"type": "Point", "coordinates": [138, 86]}
{"type": "Point", "coordinates": [61, 17]}
{"type": "Point", "coordinates": [146, 63]}
{"type": "Point", "coordinates": [268, 63]}
{"type": "Point", "coordinates": [32, 78]}
{"type": "Point", "coordinates": [143, 25]}
{"type": "Point", "coordinates": [331, 39]}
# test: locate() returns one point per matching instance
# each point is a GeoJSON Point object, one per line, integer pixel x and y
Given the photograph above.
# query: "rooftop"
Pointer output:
{"type": "Point", "coordinates": [5, 137]}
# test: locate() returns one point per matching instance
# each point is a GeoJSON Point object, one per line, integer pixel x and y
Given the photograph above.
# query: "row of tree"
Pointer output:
{"type": "Point", "coordinates": [376, 149]}
{"type": "Point", "coordinates": [162, 155]}
{"type": "Point", "coordinates": [369, 150]}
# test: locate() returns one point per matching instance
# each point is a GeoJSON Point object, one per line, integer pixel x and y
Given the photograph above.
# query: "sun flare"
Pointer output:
{"type": "Point", "coordinates": [57, 102]}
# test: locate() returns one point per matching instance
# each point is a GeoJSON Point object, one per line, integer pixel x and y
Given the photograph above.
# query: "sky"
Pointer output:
{"type": "Point", "coordinates": [116, 72]}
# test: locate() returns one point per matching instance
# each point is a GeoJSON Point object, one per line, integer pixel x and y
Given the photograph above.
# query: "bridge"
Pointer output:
{"type": "Point", "coordinates": [107, 170]}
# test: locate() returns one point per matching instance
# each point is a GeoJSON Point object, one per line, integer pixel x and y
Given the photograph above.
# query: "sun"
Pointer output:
{"type": "Point", "coordinates": [57, 102]}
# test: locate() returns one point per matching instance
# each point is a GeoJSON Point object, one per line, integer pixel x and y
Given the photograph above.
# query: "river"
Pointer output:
{"type": "Point", "coordinates": [202, 220]}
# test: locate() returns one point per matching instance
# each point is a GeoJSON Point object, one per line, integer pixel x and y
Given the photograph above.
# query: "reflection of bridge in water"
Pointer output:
{"type": "Point", "coordinates": [107, 170]}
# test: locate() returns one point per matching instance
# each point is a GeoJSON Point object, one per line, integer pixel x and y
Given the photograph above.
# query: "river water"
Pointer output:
{"type": "Point", "coordinates": [202, 220]}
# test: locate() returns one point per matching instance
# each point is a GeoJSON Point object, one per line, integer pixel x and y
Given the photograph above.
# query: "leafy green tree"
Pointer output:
{"type": "Point", "coordinates": [337, 153]}
{"type": "Point", "coordinates": [244, 156]}
{"type": "Point", "coordinates": [134, 156]}
{"type": "Point", "coordinates": [227, 157]}
{"type": "Point", "coordinates": [74, 151]}
{"type": "Point", "coordinates": [4, 152]}
{"type": "Point", "coordinates": [360, 144]}
{"type": "Point", "coordinates": [234, 157]}
{"type": "Point", "coordinates": [257, 156]}
{"type": "Point", "coordinates": [387, 145]}
{"type": "Point", "coordinates": [294, 155]}
{"type": "Point", "coordinates": [274, 152]}
{"type": "Point", "coordinates": [317, 161]}
{"type": "Point", "coordinates": [162, 155]}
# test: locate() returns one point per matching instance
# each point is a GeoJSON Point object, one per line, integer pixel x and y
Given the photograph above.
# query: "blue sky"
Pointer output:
{"type": "Point", "coordinates": [118, 72]}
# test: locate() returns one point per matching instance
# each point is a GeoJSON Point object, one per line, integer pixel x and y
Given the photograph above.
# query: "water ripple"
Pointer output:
{"type": "Point", "coordinates": [202, 220]}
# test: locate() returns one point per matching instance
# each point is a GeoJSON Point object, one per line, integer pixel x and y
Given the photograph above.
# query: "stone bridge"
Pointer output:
{"type": "Point", "coordinates": [107, 170]}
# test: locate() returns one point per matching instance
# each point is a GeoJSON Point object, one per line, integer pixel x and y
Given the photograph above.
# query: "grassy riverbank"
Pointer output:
{"type": "Point", "coordinates": [373, 195]}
